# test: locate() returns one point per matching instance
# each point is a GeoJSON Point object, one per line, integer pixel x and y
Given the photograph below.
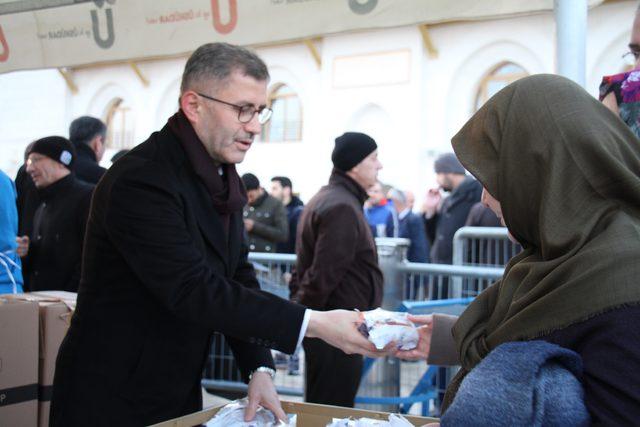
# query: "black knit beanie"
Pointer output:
{"type": "Point", "coordinates": [448, 163]}
{"type": "Point", "coordinates": [251, 182]}
{"type": "Point", "coordinates": [351, 148]}
{"type": "Point", "coordinates": [57, 148]}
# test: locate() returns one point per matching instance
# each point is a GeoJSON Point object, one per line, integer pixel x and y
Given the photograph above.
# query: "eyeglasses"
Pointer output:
{"type": "Point", "coordinates": [245, 112]}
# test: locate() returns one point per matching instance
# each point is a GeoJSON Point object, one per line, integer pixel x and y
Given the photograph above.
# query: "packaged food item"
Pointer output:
{"type": "Point", "coordinates": [394, 421]}
{"type": "Point", "coordinates": [383, 327]}
{"type": "Point", "coordinates": [232, 415]}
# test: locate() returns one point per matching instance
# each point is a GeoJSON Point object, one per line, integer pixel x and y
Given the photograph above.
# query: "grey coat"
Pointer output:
{"type": "Point", "coordinates": [270, 224]}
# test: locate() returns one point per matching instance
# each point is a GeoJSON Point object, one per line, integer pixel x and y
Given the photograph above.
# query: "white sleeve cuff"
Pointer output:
{"type": "Point", "coordinates": [303, 328]}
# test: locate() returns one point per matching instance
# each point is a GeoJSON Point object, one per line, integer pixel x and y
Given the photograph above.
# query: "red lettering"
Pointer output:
{"type": "Point", "coordinates": [233, 16]}
{"type": "Point", "coordinates": [5, 47]}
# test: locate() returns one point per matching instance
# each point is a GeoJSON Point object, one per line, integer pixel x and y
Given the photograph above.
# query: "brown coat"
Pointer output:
{"type": "Point", "coordinates": [337, 263]}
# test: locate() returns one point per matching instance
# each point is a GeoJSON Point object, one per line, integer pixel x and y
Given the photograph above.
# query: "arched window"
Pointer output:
{"type": "Point", "coordinates": [119, 123]}
{"type": "Point", "coordinates": [286, 122]}
{"type": "Point", "coordinates": [496, 79]}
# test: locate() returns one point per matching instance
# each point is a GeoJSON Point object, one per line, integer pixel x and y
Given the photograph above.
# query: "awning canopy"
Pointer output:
{"type": "Point", "coordinates": [65, 33]}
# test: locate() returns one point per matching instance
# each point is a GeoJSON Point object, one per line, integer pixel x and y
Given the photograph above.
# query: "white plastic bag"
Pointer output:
{"type": "Point", "coordinates": [232, 415]}
{"type": "Point", "coordinates": [383, 327]}
{"type": "Point", "coordinates": [394, 421]}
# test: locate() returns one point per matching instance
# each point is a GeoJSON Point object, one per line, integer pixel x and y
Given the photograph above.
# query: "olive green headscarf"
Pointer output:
{"type": "Point", "coordinates": [567, 174]}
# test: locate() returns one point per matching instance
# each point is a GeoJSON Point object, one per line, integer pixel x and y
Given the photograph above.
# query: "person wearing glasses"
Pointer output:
{"type": "Point", "coordinates": [621, 92]}
{"type": "Point", "coordinates": [165, 265]}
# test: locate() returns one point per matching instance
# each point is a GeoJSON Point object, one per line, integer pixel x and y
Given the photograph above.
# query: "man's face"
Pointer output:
{"type": "Point", "coordinates": [100, 147]}
{"type": "Point", "coordinates": [43, 170]}
{"type": "Point", "coordinates": [398, 205]}
{"type": "Point", "coordinates": [225, 138]}
{"type": "Point", "coordinates": [375, 194]}
{"type": "Point", "coordinates": [253, 195]}
{"type": "Point", "coordinates": [365, 173]}
{"type": "Point", "coordinates": [277, 190]}
{"type": "Point", "coordinates": [411, 198]}
{"type": "Point", "coordinates": [444, 181]}
{"type": "Point", "coordinates": [634, 44]}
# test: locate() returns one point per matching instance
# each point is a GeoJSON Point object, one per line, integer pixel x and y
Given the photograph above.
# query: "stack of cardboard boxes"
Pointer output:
{"type": "Point", "coordinates": [32, 327]}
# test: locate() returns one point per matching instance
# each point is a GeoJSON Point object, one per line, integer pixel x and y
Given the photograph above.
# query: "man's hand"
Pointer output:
{"type": "Point", "coordinates": [23, 245]}
{"type": "Point", "coordinates": [248, 224]}
{"type": "Point", "coordinates": [262, 392]}
{"type": "Point", "coordinates": [339, 328]}
{"type": "Point", "coordinates": [431, 202]}
{"type": "Point", "coordinates": [421, 352]}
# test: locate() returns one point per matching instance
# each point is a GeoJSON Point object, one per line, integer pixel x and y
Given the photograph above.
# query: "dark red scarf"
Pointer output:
{"type": "Point", "coordinates": [226, 190]}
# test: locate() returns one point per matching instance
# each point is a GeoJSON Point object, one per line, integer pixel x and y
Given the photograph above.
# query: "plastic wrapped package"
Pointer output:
{"type": "Point", "coordinates": [232, 415]}
{"type": "Point", "coordinates": [383, 327]}
{"type": "Point", "coordinates": [394, 421]}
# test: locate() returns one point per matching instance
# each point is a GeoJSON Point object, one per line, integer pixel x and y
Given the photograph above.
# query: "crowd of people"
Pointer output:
{"type": "Point", "coordinates": [156, 247]}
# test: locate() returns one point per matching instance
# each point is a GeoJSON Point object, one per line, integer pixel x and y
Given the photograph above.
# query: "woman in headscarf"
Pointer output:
{"type": "Point", "coordinates": [564, 175]}
{"type": "Point", "coordinates": [621, 92]}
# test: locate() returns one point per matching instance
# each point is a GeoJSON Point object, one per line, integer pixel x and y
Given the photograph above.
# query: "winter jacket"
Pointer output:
{"type": "Point", "coordinates": [294, 209]}
{"type": "Point", "coordinates": [55, 249]}
{"type": "Point", "coordinates": [337, 265]}
{"type": "Point", "coordinates": [86, 165]}
{"type": "Point", "coordinates": [452, 216]}
{"type": "Point", "coordinates": [270, 225]}
{"type": "Point", "coordinates": [10, 267]}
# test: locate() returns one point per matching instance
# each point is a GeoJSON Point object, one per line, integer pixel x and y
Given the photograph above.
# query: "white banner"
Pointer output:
{"type": "Point", "coordinates": [101, 31]}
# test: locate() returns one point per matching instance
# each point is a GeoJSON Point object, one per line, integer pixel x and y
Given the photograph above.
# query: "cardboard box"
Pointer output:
{"type": "Point", "coordinates": [18, 363]}
{"type": "Point", "coordinates": [309, 415]}
{"type": "Point", "coordinates": [55, 310]}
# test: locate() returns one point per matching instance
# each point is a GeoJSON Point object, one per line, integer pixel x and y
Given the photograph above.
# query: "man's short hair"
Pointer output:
{"type": "Point", "coordinates": [284, 181]}
{"type": "Point", "coordinates": [216, 61]}
{"type": "Point", "coordinates": [83, 129]}
{"type": "Point", "coordinates": [251, 182]}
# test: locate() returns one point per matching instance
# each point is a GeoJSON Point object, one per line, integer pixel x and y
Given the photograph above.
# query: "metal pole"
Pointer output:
{"type": "Point", "coordinates": [383, 378]}
{"type": "Point", "coordinates": [571, 36]}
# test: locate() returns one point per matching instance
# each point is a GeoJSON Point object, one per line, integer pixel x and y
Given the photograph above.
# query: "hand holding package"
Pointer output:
{"type": "Point", "coordinates": [383, 327]}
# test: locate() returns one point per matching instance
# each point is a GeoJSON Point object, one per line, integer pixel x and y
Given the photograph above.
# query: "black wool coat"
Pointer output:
{"type": "Point", "coordinates": [159, 276]}
{"type": "Point", "coordinates": [452, 216]}
{"type": "Point", "coordinates": [56, 236]}
{"type": "Point", "coordinates": [86, 166]}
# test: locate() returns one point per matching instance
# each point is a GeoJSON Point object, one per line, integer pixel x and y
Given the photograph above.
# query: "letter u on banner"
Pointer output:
{"type": "Point", "coordinates": [103, 43]}
{"type": "Point", "coordinates": [4, 54]}
{"type": "Point", "coordinates": [362, 8]}
{"type": "Point", "coordinates": [233, 16]}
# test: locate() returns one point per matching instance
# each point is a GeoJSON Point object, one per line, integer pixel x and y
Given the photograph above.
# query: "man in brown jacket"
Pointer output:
{"type": "Point", "coordinates": [337, 264]}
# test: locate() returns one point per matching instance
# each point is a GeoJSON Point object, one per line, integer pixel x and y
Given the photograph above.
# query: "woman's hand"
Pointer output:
{"type": "Point", "coordinates": [425, 329]}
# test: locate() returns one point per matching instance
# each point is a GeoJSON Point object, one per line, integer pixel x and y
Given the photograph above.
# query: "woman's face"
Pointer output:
{"type": "Point", "coordinates": [492, 203]}
{"type": "Point", "coordinates": [634, 43]}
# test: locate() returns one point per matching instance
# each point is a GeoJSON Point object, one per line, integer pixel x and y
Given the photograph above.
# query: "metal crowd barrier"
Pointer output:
{"type": "Point", "coordinates": [483, 246]}
{"type": "Point", "coordinates": [221, 373]}
{"type": "Point", "coordinates": [388, 383]}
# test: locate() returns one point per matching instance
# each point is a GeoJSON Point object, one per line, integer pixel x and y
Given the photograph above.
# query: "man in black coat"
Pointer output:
{"type": "Point", "coordinates": [54, 242]}
{"type": "Point", "coordinates": [444, 217]}
{"type": "Point", "coordinates": [410, 226]}
{"type": "Point", "coordinates": [165, 265]}
{"type": "Point", "coordinates": [282, 189]}
{"type": "Point", "coordinates": [88, 135]}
